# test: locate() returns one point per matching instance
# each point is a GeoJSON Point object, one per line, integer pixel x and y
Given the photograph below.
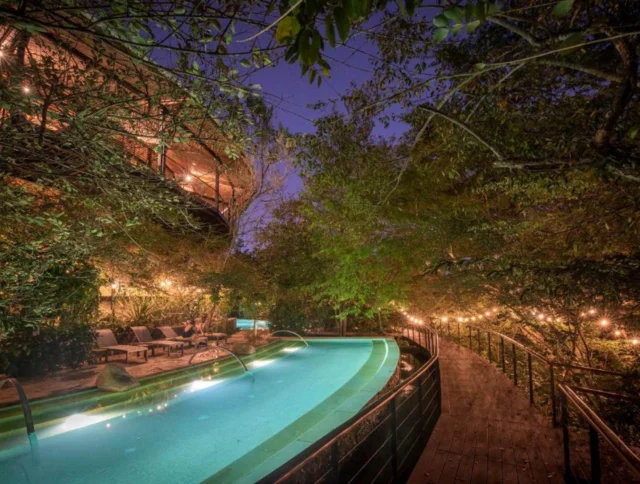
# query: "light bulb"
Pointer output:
{"type": "Point", "coordinates": [618, 332]}
{"type": "Point", "coordinates": [445, 319]}
{"type": "Point", "coordinates": [26, 89]}
{"type": "Point", "coordinates": [604, 322]}
{"type": "Point", "coordinates": [188, 178]}
{"type": "Point", "coordinates": [460, 320]}
{"type": "Point", "coordinates": [634, 341]}
{"type": "Point", "coordinates": [592, 311]}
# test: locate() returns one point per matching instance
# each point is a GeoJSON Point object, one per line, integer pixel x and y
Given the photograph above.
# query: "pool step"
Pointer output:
{"type": "Point", "coordinates": [50, 411]}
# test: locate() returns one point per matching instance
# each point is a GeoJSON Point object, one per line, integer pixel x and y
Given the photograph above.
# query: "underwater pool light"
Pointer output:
{"type": "Point", "coordinates": [79, 420]}
{"type": "Point", "coordinates": [261, 363]}
{"type": "Point", "coordinates": [291, 350]}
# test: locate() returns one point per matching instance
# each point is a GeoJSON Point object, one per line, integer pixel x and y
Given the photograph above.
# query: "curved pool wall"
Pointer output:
{"type": "Point", "coordinates": [245, 324]}
{"type": "Point", "coordinates": [234, 428]}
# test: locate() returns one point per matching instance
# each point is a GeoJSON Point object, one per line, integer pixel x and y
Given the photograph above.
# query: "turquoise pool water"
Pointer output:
{"type": "Point", "coordinates": [229, 430]}
{"type": "Point", "coordinates": [243, 324]}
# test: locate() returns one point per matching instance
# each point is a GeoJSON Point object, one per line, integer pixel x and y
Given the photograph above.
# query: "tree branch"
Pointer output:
{"type": "Point", "coordinates": [464, 126]}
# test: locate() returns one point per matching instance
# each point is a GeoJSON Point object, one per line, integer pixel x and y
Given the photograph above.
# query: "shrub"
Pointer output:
{"type": "Point", "coordinates": [29, 352]}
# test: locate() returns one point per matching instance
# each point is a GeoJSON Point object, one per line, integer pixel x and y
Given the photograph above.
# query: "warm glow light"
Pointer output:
{"type": "Point", "coordinates": [488, 313]}
{"type": "Point", "coordinates": [114, 285]}
{"type": "Point", "coordinates": [604, 322]}
{"type": "Point", "coordinates": [618, 332]}
{"type": "Point", "coordinates": [540, 316]}
{"type": "Point", "coordinates": [634, 341]}
{"type": "Point", "coordinates": [460, 320]}
{"type": "Point", "coordinates": [261, 363]}
{"type": "Point", "coordinates": [26, 89]}
{"type": "Point", "coordinates": [445, 319]}
{"type": "Point", "coordinates": [188, 178]}
{"type": "Point", "coordinates": [592, 311]}
{"type": "Point", "coordinates": [473, 318]}
{"type": "Point", "coordinates": [480, 317]}
{"type": "Point", "coordinates": [165, 283]}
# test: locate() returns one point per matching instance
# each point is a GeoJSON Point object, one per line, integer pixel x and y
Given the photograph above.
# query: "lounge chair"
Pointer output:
{"type": "Point", "coordinates": [171, 335]}
{"type": "Point", "coordinates": [201, 331]}
{"type": "Point", "coordinates": [107, 343]}
{"type": "Point", "coordinates": [143, 336]}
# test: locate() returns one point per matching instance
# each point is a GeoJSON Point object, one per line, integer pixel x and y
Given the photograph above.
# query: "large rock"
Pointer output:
{"type": "Point", "coordinates": [115, 379]}
{"type": "Point", "coordinates": [243, 349]}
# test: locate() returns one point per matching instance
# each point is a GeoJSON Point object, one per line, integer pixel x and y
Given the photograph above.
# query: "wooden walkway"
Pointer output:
{"type": "Point", "coordinates": [488, 432]}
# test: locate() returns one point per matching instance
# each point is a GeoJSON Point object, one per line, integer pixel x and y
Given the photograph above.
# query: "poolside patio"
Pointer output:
{"type": "Point", "coordinates": [71, 380]}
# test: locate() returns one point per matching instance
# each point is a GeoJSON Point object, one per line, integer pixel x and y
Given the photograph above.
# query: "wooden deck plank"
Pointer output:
{"type": "Point", "coordinates": [488, 432]}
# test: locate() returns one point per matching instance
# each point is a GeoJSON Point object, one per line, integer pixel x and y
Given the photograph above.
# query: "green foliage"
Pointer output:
{"type": "Point", "coordinates": [28, 352]}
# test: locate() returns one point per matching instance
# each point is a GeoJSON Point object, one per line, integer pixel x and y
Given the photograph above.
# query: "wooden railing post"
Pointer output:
{"type": "Point", "coordinates": [479, 345]}
{"type": "Point", "coordinates": [529, 367]}
{"type": "Point", "coordinates": [394, 439]}
{"type": "Point", "coordinates": [489, 344]}
{"type": "Point", "coordinates": [504, 365]}
{"type": "Point", "coordinates": [470, 340]}
{"type": "Point", "coordinates": [459, 337]}
{"type": "Point", "coordinates": [594, 452]}
{"type": "Point", "coordinates": [565, 437]}
{"type": "Point", "coordinates": [552, 389]}
{"type": "Point", "coordinates": [515, 364]}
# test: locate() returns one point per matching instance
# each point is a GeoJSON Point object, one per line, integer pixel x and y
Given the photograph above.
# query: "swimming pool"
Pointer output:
{"type": "Point", "coordinates": [243, 324]}
{"type": "Point", "coordinates": [235, 429]}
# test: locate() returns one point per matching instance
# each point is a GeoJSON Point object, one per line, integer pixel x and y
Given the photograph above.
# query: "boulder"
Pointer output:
{"type": "Point", "coordinates": [115, 379]}
{"type": "Point", "coordinates": [243, 349]}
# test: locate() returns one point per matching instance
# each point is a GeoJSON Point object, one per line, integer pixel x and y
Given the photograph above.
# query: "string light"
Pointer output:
{"type": "Point", "coordinates": [188, 178]}
{"type": "Point", "coordinates": [604, 322]}
{"type": "Point", "coordinates": [26, 89]}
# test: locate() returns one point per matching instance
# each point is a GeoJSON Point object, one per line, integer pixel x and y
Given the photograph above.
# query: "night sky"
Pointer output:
{"type": "Point", "coordinates": [291, 94]}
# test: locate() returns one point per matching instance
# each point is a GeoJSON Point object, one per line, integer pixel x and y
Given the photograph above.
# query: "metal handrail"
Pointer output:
{"type": "Point", "coordinates": [221, 348]}
{"type": "Point", "coordinates": [287, 331]}
{"type": "Point", "coordinates": [284, 473]}
{"type": "Point", "coordinates": [543, 358]}
{"type": "Point", "coordinates": [568, 394]}
{"type": "Point", "coordinates": [24, 402]}
{"type": "Point", "coordinates": [600, 428]}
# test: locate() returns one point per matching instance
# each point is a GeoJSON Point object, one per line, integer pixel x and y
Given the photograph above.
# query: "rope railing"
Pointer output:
{"type": "Point", "coordinates": [383, 441]}
{"type": "Point", "coordinates": [618, 465]}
